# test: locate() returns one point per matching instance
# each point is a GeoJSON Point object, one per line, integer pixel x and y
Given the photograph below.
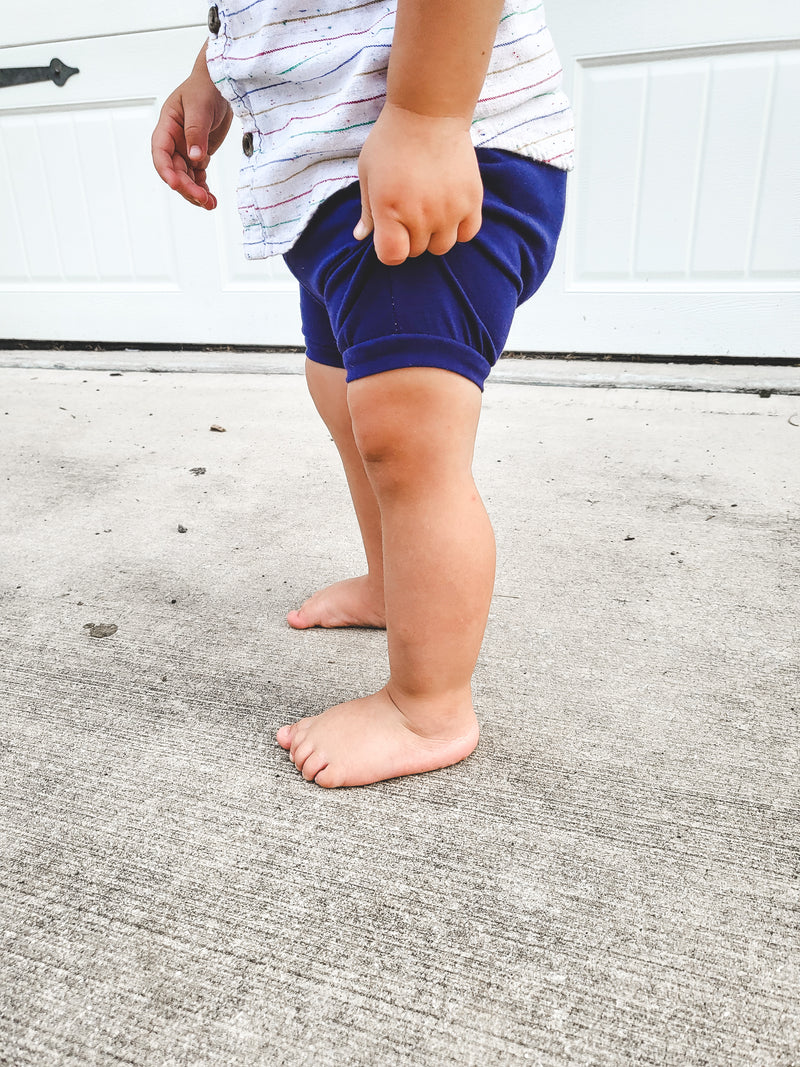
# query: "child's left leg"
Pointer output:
{"type": "Point", "coordinates": [394, 329]}
{"type": "Point", "coordinates": [415, 430]}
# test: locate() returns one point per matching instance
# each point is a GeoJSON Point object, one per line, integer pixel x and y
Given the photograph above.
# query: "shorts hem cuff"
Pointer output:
{"type": "Point", "coordinates": [416, 350]}
{"type": "Point", "coordinates": [328, 357]}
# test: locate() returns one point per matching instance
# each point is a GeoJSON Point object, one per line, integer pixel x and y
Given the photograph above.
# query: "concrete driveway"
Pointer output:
{"type": "Point", "coordinates": [610, 879]}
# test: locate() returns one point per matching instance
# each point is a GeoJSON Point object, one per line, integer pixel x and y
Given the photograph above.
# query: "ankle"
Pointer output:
{"type": "Point", "coordinates": [373, 587]}
{"type": "Point", "coordinates": [434, 713]}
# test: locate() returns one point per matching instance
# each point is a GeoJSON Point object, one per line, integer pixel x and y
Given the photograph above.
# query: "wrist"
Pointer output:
{"type": "Point", "coordinates": [426, 119]}
{"type": "Point", "coordinates": [199, 71]}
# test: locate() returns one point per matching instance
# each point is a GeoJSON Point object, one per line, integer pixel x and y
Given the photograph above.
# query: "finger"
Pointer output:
{"type": "Point", "coordinates": [163, 149]}
{"type": "Point", "coordinates": [192, 187]}
{"type": "Point", "coordinates": [172, 170]}
{"type": "Point", "coordinates": [419, 239]}
{"type": "Point", "coordinates": [392, 242]}
{"type": "Point", "coordinates": [469, 227]}
{"type": "Point", "coordinates": [442, 241]}
{"type": "Point", "coordinates": [209, 201]}
{"type": "Point", "coordinates": [218, 134]}
{"type": "Point", "coordinates": [365, 224]}
{"type": "Point", "coordinates": [364, 227]}
{"type": "Point", "coordinates": [168, 149]}
{"type": "Point", "coordinates": [200, 179]}
{"type": "Point", "coordinates": [169, 161]}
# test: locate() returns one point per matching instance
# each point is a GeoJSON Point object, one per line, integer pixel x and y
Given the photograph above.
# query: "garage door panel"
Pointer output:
{"type": "Point", "coordinates": [95, 246]}
{"type": "Point", "coordinates": [50, 196]}
{"type": "Point", "coordinates": [670, 154]}
{"type": "Point", "coordinates": [675, 166]}
{"type": "Point", "coordinates": [776, 240]}
{"type": "Point", "coordinates": [611, 117]}
{"type": "Point", "coordinates": [736, 127]}
{"type": "Point", "coordinates": [76, 195]}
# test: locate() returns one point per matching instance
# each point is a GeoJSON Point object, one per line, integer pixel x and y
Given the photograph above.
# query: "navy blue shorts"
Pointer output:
{"type": "Point", "coordinates": [452, 311]}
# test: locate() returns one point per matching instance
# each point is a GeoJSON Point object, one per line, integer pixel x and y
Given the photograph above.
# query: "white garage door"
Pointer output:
{"type": "Point", "coordinates": [94, 245]}
{"type": "Point", "coordinates": [683, 227]}
{"type": "Point", "coordinates": [683, 231]}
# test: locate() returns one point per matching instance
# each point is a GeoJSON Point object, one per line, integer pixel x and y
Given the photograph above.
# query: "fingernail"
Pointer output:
{"type": "Point", "coordinates": [361, 231]}
{"type": "Point", "coordinates": [195, 152]}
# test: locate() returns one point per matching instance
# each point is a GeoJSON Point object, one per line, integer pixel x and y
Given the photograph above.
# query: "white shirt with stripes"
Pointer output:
{"type": "Point", "coordinates": [309, 82]}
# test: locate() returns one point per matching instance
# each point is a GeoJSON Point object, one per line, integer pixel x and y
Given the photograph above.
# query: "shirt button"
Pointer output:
{"type": "Point", "coordinates": [247, 144]}
{"type": "Point", "coordinates": [213, 20]}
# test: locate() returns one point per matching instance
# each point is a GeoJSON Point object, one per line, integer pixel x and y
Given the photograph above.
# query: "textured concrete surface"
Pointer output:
{"type": "Point", "coordinates": [610, 879]}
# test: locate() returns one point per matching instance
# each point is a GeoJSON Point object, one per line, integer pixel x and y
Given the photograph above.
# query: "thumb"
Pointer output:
{"type": "Point", "coordinates": [392, 242]}
{"type": "Point", "coordinates": [365, 225]}
{"type": "Point", "coordinates": [196, 128]}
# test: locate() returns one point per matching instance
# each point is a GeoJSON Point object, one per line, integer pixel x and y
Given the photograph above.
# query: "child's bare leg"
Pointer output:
{"type": "Point", "coordinates": [415, 430]}
{"type": "Point", "coordinates": [354, 601]}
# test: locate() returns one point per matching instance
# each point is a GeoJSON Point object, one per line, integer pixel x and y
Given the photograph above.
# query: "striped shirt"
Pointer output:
{"type": "Point", "coordinates": [308, 84]}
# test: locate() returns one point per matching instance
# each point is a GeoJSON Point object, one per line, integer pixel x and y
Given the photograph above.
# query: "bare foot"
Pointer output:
{"type": "Point", "coordinates": [347, 603]}
{"type": "Point", "coordinates": [370, 739]}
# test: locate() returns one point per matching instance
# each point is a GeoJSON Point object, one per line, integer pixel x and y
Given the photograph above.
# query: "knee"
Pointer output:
{"type": "Point", "coordinates": [386, 448]}
{"type": "Point", "coordinates": [391, 446]}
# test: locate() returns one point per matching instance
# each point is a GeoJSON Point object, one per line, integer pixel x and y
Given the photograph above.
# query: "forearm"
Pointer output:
{"type": "Point", "coordinates": [440, 54]}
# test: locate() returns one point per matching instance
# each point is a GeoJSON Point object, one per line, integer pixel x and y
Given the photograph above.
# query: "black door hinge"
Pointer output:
{"type": "Point", "coordinates": [57, 72]}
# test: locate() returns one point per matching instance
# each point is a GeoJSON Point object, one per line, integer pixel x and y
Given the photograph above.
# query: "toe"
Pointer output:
{"type": "Point", "coordinates": [298, 731]}
{"type": "Point", "coordinates": [302, 618]}
{"type": "Point", "coordinates": [313, 765]}
{"type": "Point", "coordinates": [327, 778]}
{"type": "Point", "coordinates": [284, 736]}
{"type": "Point", "coordinates": [301, 752]}
{"type": "Point", "coordinates": [297, 620]}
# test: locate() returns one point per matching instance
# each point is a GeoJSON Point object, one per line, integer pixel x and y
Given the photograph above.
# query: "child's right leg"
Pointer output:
{"type": "Point", "coordinates": [354, 601]}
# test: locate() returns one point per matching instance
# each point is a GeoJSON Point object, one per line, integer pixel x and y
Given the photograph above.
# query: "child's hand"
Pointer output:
{"type": "Point", "coordinates": [421, 189]}
{"type": "Point", "coordinates": [193, 123]}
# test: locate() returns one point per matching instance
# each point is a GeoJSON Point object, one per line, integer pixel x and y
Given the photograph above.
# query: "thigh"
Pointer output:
{"type": "Point", "coordinates": [420, 419]}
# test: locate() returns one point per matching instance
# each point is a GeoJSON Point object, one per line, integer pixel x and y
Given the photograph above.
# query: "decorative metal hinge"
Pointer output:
{"type": "Point", "coordinates": [57, 72]}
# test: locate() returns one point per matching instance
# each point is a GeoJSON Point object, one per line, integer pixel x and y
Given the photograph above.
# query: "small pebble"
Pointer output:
{"type": "Point", "coordinates": [100, 629]}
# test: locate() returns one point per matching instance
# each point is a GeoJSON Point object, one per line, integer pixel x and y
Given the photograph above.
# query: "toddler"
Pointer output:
{"type": "Point", "coordinates": [408, 159]}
